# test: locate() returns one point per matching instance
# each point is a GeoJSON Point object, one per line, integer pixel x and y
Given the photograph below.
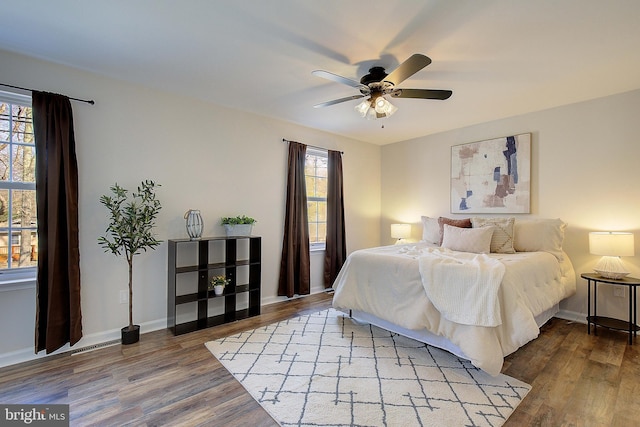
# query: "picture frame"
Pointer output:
{"type": "Point", "coordinates": [492, 176]}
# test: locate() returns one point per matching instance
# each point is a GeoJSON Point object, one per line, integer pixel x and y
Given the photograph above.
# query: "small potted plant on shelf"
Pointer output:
{"type": "Point", "coordinates": [240, 225]}
{"type": "Point", "coordinates": [218, 283]}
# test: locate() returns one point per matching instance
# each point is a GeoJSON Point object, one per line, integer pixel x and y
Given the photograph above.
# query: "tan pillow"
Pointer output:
{"type": "Point", "coordinates": [476, 240]}
{"type": "Point", "coordinates": [547, 235]}
{"type": "Point", "coordinates": [502, 240]}
{"type": "Point", "coordinates": [462, 223]}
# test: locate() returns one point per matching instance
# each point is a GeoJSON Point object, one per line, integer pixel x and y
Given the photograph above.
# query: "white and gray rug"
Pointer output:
{"type": "Point", "coordinates": [324, 369]}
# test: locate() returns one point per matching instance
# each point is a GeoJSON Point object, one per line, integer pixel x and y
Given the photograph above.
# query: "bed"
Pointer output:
{"type": "Point", "coordinates": [479, 304]}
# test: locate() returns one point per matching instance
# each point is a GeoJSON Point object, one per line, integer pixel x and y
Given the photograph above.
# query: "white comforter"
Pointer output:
{"type": "Point", "coordinates": [470, 296]}
{"type": "Point", "coordinates": [386, 282]}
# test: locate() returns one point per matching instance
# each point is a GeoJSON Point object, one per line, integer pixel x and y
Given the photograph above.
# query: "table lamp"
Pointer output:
{"type": "Point", "coordinates": [611, 245]}
{"type": "Point", "coordinates": [400, 232]}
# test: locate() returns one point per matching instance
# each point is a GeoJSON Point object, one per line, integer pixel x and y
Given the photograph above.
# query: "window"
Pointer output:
{"type": "Point", "coordinates": [18, 228]}
{"type": "Point", "coordinates": [315, 171]}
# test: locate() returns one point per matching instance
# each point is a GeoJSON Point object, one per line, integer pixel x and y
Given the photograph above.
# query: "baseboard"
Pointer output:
{"type": "Point", "coordinates": [273, 300]}
{"type": "Point", "coordinates": [573, 316]}
{"type": "Point", "coordinates": [27, 354]}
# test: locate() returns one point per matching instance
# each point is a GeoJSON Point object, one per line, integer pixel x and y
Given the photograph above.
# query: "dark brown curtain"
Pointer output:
{"type": "Point", "coordinates": [58, 315]}
{"type": "Point", "coordinates": [336, 247]}
{"type": "Point", "coordinates": [295, 276]}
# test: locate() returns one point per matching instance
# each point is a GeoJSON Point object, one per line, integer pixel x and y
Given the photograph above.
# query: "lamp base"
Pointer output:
{"type": "Point", "coordinates": [611, 267]}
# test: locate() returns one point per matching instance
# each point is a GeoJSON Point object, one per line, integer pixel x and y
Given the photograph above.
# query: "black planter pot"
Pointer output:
{"type": "Point", "coordinates": [130, 336]}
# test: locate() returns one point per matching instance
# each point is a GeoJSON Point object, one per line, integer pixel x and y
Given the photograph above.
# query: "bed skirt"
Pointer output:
{"type": "Point", "coordinates": [427, 337]}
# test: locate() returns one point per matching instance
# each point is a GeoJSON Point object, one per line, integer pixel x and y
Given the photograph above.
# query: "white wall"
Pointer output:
{"type": "Point", "coordinates": [225, 162]}
{"type": "Point", "coordinates": [584, 171]}
{"type": "Point", "coordinates": [206, 157]}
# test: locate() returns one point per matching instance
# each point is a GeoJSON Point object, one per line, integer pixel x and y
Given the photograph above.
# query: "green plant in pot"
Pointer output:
{"type": "Point", "coordinates": [218, 283]}
{"type": "Point", "coordinates": [130, 232]}
{"type": "Point", "coordinates": [240, 225]}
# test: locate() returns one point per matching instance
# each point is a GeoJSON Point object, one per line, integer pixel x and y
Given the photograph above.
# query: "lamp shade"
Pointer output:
{"type": "Point", "coordinates": [363, 107]}
{"type": "Point", "coordinates": [384, 107]}
{"type": "Point", "coordinates": [611, 243]}
{"type": "Point", "coordinates": [375, 107]}
{"type": "Point", "coordinates": [400, 231]}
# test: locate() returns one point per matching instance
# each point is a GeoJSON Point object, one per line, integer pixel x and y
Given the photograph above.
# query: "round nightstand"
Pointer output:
{"type": "Point", "coordinates": [608, 322]}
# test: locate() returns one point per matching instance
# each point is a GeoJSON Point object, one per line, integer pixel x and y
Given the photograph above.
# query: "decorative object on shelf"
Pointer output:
{"type": "Point", "coordinates": [611, 245]}
{"type": "Point", "coordinates": [236, 226]}
{"type": "Point", "coordinates": [218, 283]}
{"type": "Point", "coordinates": [130, 232]}
{"type": "Point", "coordinates": [400, 232]}
{"type": "Point", "coordinates": [492, 176]}
{"type": "Point", "coordinates": [195, 224]}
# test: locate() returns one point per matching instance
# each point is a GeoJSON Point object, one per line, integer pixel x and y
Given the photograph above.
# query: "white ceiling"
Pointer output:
{"type": "Point", "coordinates": [500, 57]}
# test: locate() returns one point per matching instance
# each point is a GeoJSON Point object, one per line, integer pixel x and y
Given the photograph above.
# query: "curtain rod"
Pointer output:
{"type": "Point", "coordinates": [90, 101]}
{"type": "Point", "coordinates": [312, 146]}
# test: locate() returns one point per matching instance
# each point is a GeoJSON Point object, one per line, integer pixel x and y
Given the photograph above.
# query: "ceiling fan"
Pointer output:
{"type": "Point", "coordinates": [378, 83]}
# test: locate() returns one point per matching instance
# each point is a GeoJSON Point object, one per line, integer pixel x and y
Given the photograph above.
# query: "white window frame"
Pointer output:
{"type": "Point", "coordinates": [18, 278]}
{"type": "Point", "coordinates": [317, 246]}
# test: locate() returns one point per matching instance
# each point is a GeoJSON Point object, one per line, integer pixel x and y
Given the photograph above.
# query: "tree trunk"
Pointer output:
{"type": "Point", "coordinates": [130, 261]}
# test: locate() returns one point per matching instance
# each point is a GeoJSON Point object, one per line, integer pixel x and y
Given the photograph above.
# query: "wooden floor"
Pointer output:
{"type": "Point", "coordinates": [577, 379]}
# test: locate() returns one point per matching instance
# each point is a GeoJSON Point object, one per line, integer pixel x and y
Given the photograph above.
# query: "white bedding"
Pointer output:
{"type": "Point", "coordinates": [386, 283]}
{"type": "Point", "coordinates": [470, 296]}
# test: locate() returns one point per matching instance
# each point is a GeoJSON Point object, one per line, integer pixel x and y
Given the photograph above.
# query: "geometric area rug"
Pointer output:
{"type": "Point", "coordinates": [324, 369]}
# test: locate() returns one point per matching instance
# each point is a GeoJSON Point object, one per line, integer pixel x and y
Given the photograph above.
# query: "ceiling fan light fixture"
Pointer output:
{"type": "Point", "coordinates": [371, 114]}
{"type": "Point", "coordinates": [391, 109]}
{"type": "Point", "coordinates": [374, 108]}
{"type": "Point", "coordinates": [378, 83]}
{"type": "Point", "coordinates": [384, 107]}
{"type": "Point", "coordinates": [363, 107]}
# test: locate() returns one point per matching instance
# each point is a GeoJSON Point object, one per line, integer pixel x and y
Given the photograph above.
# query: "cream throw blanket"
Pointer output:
{"type": "Point", "coordinates": [463, 286]}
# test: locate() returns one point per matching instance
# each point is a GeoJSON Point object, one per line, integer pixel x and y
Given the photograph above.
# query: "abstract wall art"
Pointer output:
{"type": "Point", "coordinates": [492, 176]}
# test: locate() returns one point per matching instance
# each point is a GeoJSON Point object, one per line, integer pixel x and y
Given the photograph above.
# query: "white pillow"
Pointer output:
{"type": "Point", "coordinates": [547, 235]}
{"type": "Point", "coordinates": [476, 240]}
{"type": "Point", "coordinates": [502, 240]}
{"type": "Point", "coordinates": [430, 230]}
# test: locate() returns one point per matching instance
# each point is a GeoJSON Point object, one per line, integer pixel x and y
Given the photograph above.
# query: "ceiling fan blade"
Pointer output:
{"type": "Point", "coordinates": [421, 93]}
{"type": "Point", "coordinates": [337, 101]}
{"type": "Point", "coordinates": [408, 68]}
{"type": "Point", "coordinates": [343, 80]}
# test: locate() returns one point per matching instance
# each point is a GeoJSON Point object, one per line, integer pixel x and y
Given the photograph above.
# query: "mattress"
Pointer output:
{"type": "Point", "coordinates": [384, 286]}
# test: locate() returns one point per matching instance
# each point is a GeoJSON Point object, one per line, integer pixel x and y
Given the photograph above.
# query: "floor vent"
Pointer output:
{"type": "Point", "coordinates": [95, 347]}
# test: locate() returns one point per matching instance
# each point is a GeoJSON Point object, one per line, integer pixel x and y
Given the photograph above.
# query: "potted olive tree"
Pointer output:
{"type": "Point", "coordinates": [130, 232]}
